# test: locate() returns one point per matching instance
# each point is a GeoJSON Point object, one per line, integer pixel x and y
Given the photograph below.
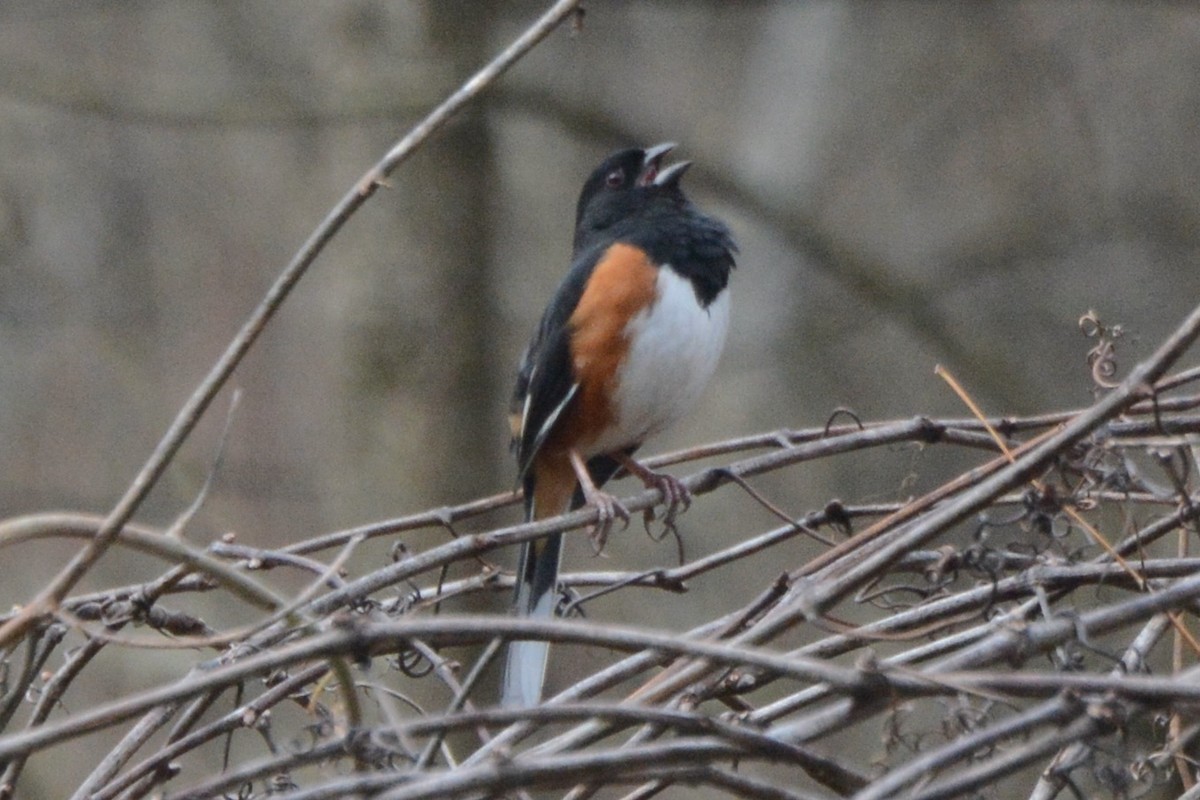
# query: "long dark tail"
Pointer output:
{"type": "Point", "coordinates": [536, 597]}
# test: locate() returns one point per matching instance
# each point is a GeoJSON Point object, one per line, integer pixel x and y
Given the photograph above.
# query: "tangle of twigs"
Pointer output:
{"type": "Point", "coordinates": [1039, 642]}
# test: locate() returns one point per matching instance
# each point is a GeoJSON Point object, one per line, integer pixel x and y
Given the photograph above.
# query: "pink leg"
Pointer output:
{"type": "Point", "coordinates": [676, 496]}
{"type": "Point", "coordinates": [608, 507]}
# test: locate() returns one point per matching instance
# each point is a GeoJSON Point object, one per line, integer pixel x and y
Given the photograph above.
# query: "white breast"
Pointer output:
{"type": "Point", "coordinates": [674, 347]}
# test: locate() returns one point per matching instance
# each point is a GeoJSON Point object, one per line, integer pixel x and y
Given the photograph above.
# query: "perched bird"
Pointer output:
{"type": "Point", "coordinates": [625, 347]}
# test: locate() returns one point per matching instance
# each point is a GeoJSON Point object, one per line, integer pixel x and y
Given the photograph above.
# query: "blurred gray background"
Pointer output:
{"type": "Point", "coordinates": [911, 184]}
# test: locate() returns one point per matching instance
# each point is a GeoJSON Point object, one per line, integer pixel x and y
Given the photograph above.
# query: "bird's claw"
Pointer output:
{"type": "Point", "coordinates": [608, 510]}
{"type": "Point", "coordinates": [676, 498]}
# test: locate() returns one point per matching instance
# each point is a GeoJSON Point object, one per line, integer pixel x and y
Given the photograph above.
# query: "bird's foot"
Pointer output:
{"type": "Point", "coordinates": [676, 497]}
{"type": "Point", "coordinates": [608, 510]}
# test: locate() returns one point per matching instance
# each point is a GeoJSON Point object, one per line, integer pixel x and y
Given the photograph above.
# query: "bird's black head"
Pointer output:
{"type": "Point", "coordinates": [624, 183]}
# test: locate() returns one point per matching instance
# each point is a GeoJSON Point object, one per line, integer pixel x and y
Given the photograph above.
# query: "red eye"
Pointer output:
{"type": "Point", "coordinates": [614, 179]}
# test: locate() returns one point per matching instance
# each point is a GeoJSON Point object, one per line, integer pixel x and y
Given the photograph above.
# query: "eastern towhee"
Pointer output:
{"type": "Point", "coordinates": [625, 347]}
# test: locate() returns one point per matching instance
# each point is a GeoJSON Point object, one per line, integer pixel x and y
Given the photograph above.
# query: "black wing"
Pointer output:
{"type": "Point", "coordinates": [546, 384]}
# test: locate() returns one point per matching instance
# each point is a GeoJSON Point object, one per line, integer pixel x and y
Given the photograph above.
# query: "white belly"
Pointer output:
{"type": "Point", "coordinates": [674, 347]}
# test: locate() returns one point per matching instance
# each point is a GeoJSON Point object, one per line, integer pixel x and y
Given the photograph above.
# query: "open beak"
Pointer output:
{"type": "Point", "coordinates": [671, 175]}
{"type": "Point", "coordinates": [652, 163]}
